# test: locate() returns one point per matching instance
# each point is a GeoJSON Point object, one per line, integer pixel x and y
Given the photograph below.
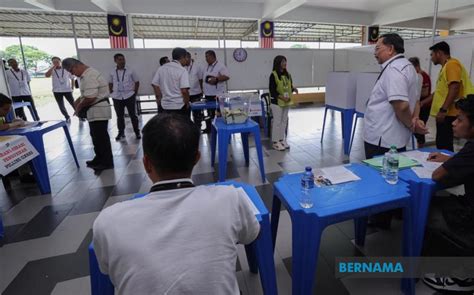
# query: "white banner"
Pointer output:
{"type": "Point", "coordinates": [15, 151]}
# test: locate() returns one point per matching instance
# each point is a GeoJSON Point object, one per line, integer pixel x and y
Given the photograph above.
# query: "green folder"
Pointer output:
{"type": "Point", "coordinates": [403, 162]}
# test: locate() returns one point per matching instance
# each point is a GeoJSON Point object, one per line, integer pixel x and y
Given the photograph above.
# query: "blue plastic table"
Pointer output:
{"type": "Point", "coordinates": [18, 105]}
{"type": "Point", "coordinates": [221, 132]}
{"type": "Point", "coordinates": [354, 200]}
{"type": "Point", "coordinates": [35, 136]}
{"type": "Point", "coordinates": [347, 118]}
{"type": "Point", "coordinates": [208, 105]}
{"type": "Point", "coordinates": [259, 252]}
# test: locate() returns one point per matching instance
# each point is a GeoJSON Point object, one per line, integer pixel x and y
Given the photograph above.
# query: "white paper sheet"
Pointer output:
{"type": "Point", "coordinates": [246, 197]}
{"type": "Point", "coordinates": [422, 172]}
{"type": "Point", "coordinates": [338, 174]}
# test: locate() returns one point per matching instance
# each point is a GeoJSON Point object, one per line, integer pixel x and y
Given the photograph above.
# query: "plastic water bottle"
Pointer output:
{"type": "Point", "coordinates": [307, 183]}
{"type": "Point", "coordinates": [385, 164]}
{"type": "Point", "coordinates": [392, 166]}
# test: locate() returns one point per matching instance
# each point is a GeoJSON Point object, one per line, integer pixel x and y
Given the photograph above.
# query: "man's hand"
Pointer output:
{"type": "Point", "coordinates": [418, 126]}
{"type": "Point", "coordinates": [440, 117]}
{"type": "Point", "coordinates": [438, 157]}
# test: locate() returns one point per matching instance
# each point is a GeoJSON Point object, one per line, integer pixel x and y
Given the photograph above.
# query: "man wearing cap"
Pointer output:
{"type": "Point", "coordinates": [453, 83]}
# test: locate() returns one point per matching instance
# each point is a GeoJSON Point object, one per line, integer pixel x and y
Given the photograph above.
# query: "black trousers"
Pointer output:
{"type": "Point", "coordinates": [212, 113]}
{"type": "Point", "coordinates": [185, 111]}
{"type": "Point", "coordinates": [424, 116]}
{"type": "Point", "coordinates": [444, 134]}
{"type": "Point", "coordinates": [130, 104]}
{"type": "Point", "coordinates": [198, 116]}
{"type": "Point", "coordinates": [24, 98]}
{"type": "Point", "coordinates": [383, 219]}
{"type": "Point", "coordinates": [59, 96]}
{"type": "Point", "coordinates": [101, 141]}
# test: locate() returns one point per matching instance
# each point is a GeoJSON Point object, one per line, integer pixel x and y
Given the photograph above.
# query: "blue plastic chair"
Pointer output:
{"type": "Point", "coordinates": [346, 121]}
{"type": "Point", "coordinates": [18, 105]}
{"type": "Point", "coordinates": [2, 232]}
{"type": "Point", "coordinates": [220, 137]}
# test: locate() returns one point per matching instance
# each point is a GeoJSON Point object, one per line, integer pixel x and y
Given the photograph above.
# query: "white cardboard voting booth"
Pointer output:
{"type": "Point", "coordinates": [365, 82]}
{"type": "Point", "coordinates": [341, 90]}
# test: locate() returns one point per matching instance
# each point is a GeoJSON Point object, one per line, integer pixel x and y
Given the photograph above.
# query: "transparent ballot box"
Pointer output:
{"type": "Point", "coordinates": [234, 108]}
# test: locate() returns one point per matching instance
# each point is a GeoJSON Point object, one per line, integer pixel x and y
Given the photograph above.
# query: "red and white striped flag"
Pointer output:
{"type": "Point", "coordinates": [117, 31]}
{"type": "Point", "coordinates": [266, 34]}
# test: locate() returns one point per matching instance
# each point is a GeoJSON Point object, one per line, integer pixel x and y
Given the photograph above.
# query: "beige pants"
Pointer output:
{"type": "Point", "coordinates": [280, 120]}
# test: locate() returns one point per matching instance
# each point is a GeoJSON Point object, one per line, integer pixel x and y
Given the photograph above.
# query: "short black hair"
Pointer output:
{"type": "Point", "coordinates": [164, 60]}
{"type": "Point", "coordinates": [178, 53]}
{"type": "Point", "coordinates": [467, 106]}
{"type": "Point", "coordinates": [188, 54]}
{"type": "Point", "coordinates": [441, 46]}
{"type": "Point", "coordinates": [395, 40]}
{"type": "Point", "coordinates": [415, 61]}
{"type": "Point", "coordinates": [211, 53]}
{"type": "Point", "coordinates": [55, 57]}
{"type": "Point", "coordinates": [117, 55]}
{"type": "Point", "coordinates": [171, 141]}
{"type": "Point", "coordinates": [4, 100]}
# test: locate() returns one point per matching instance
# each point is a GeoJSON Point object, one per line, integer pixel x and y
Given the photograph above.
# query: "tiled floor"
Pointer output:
{"type": "Point", "coordinates": [45, 249]}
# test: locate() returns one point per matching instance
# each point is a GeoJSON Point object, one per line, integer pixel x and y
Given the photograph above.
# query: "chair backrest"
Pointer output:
{"type": "Point", "coordinates": [266, 98]}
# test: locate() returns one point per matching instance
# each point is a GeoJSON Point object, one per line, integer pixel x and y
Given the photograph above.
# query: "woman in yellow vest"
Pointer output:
{"type": "Point", "coordinates": [281, 89]}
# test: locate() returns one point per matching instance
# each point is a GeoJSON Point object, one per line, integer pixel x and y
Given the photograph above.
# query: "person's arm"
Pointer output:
{"type": "Point", "coordinates": [111, 87]}
{"type": "Point", "coordinates": [223, 75]}
{"type": "Point", "coordinates": [49, 73]}
{"type": "Point", "coordinates": [137, 85]}
{"type": "Point", "coordinates": [425, 91]}
{"type": "Point", "coordinates": [453, 93]}
{"type": "Point", "coordinates": [427, 101]}
{"type": "Point", "coordinates": [137, 82]}
{"type": "Point", "coordinates": [249, 228]}
{"type": "Point", "coordinates": [184, 86]}
{"type": "Point", "coordinates": [439, 174]}
{"type": "Point", "coordinates": [457, 169]}
{"type": "Point", "coordinates": [99, 240]}
{"type": "Point", "coordinates": [185, 94]}
{"type": "Point", "coordinates": [158, 94]}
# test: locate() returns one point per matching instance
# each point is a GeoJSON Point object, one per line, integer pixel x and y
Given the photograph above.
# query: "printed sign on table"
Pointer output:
{"type": "Point", "coordinates": [15, 151]}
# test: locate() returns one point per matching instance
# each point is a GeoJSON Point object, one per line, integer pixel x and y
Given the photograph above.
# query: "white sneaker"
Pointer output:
{"type": "Point", "coordinates": [285, 144]}
{"type": "Point", "coordinates": [450, 284]}
{"type": "Point", "coordinates": [278, 146]}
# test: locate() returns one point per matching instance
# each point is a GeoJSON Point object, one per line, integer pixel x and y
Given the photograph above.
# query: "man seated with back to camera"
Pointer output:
{"type": "Point", "coordinates": [450, 226]}
{"type": "Point", "coordinates": [180, 238]}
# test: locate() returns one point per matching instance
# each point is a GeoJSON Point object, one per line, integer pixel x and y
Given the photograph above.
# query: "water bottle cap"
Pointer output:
{"type": "Point", "coordinates": [393, 147]}
{"type": "Point", "coordinates": [308, 168]}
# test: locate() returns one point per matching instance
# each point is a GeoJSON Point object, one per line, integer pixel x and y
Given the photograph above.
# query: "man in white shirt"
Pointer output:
{"type": "Point", "coordinates": [390, 117]}
{"type": "Point", "coordinates": [63, 85]}
{"type": "Point", "coordinates": [179, 239]}
{"type": "Point", "coordinates": [94, 101]}
{"type": "Point", "coordinates": [171, 84]}
{"type": "Point", "coordinates": [123, 86]}
{"type": "Point", "coordinates": [195, 73]}
{"type": "Point", "coordinates": [214, 77]}
{"type": "Point", "coordinates": [19, 82]}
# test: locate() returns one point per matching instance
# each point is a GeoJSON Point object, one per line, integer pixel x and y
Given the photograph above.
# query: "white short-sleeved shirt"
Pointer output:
{"type": "Point", "coordinates": [214, 70]}
{"type": "Point", "coordinates": [180, 241]}
{"type": "Point", "coordinates": [171, 78]}
{"type": "Point", "coordinates": [93, 84]}
{"type": "Point", "coordinates": [195, 72]}
{"type": "Point", "coordinates": [123, 83]}
{"type": "Point", "coordinates": [18, 82]}
{"type": "Point", "coordinates": [399, 81]}
{"type": "Point", "coordinates": [61, 80]}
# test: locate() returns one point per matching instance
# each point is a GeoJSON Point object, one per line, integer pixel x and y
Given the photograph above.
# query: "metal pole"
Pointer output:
{"type": "Point", "coordinates": [22, 54]}
{"type": "Point", "coordinates": [334, 50]}
{"type": "Point", "coordinates": [75, 36]}
{"type": "Point", "coordinates": [223, 37]}
{"type": "Point", "coordinates": [130, 33]}
{"type": "Point", "coordinates": [143, 39]}
{"type": "Point", "coordinates": [435, 19]}
{"type": "Point", "coordinates": [90, 35]}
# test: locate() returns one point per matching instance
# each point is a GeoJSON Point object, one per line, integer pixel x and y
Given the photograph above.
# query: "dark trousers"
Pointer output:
{"type": "Point", "coordinates": [185, 111]}
{"type": "Point", "coordinates": [101, 141]}
{"type": "Point", "coordinates": [198, 116]}
{"type": "Point", "coordinates": [130, 104]}
{"type": "Point", "coordinates": [24, 98]}
{"type": "Point", "coordinates": [424, 115]}
{"type": "Point", "coordinates": [444, 134]}
{"type": "Point", "coordinates": [212, 113]}
{"type": "Point", "coordinates": [383, 219]}
{"type": "Point", "coordinates": [59, 96]}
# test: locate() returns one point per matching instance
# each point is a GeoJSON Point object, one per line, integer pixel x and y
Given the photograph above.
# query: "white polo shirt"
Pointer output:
{"type": "Point", "coordinates": [18, 82]}
{"type": "Point", "coordinates": [399, 81]}
{"type": "Point", "coordinates": [195, 72]}
{"type": "Point", "coordinates": [171, 78]}
{"type": "Point", "coordinates": [214, 70]}
{"type": "Point", "coordinates": [93, 84]}
{"type": "Point", "coordinates": [123, 83]}
{"type": "Point", "coordinates": [61, 80]}
{"type": "Point", "coordinates": [181, 241]}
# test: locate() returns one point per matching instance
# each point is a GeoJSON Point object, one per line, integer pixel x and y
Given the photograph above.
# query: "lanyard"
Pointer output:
{"type": "Point", "coordinates": [16, 76]}
{"type": "Point", "coordinates": [123, 75]}
{"type": "Point", "coordinates": [190, 67]}
{"type": "Point", "coordinates": [383, 70]}
{"type": "Point", "coordinates": [171, 186]}
{"type": "Point", "coordinates": [213, 66]}
{"type": "Point", "coordinates": [62, 73]}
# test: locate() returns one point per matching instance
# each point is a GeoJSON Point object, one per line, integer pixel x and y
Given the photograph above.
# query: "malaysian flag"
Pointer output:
{"type": "Point", "coordinates": [117, 31]}
{"type": "Point", "coordinates": [266, 34]}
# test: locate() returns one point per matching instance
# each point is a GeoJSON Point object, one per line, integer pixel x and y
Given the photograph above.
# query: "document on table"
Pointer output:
{"type": "Point", "coordinates": [427, 167]}
{"type": "Point", "coordinates": [338, 174]}
{"type": "Point", "coordinates": [246, 197]}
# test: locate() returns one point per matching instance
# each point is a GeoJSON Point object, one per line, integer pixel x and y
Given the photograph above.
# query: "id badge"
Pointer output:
{"type": "Point", "coordinates": [286, 95]}
{"type": "Point", "coordinates": [120, 87]}
{"type": "Point", "coordinates": [62, 81]}
{"type": "Point", "coordinates": [21, 84]}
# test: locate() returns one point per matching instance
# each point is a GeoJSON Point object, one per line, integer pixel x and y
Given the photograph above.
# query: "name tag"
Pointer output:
{"type": "Point", "coordinates": [21, 84]}
{"type": "Point", "coordinates": [62, 81]}
{"type": "Point", "coordinates": [120, 87]}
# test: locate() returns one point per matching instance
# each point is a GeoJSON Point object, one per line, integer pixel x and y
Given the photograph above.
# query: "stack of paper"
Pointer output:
{"type": "Point", "coordinates": [338, 174]}
{"type": "Point", "coordinates": [403, 162]}
{"type": "Point", "coordinates": [427, 167]}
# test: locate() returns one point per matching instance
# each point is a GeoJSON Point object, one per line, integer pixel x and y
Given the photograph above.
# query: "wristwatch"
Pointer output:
{"type": "Point", "coordinates": [443, 110]}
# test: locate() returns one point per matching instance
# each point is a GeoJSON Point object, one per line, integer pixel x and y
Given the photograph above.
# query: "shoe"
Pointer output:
{"type": "Point", "coordinates": [450, 284]}
{"type": "Point", "coordinates": [138, 135]}
{"type": "Point", "coordinates": [100, 167]}
{"type": "Point", "coordinates": [285, 144]}
{"type": "Point", "coordinates": [120, 136]}
{"type": "Point", "coordinates": [278, 146]}
{"type": "Point", "coordinates": [91, 163]}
